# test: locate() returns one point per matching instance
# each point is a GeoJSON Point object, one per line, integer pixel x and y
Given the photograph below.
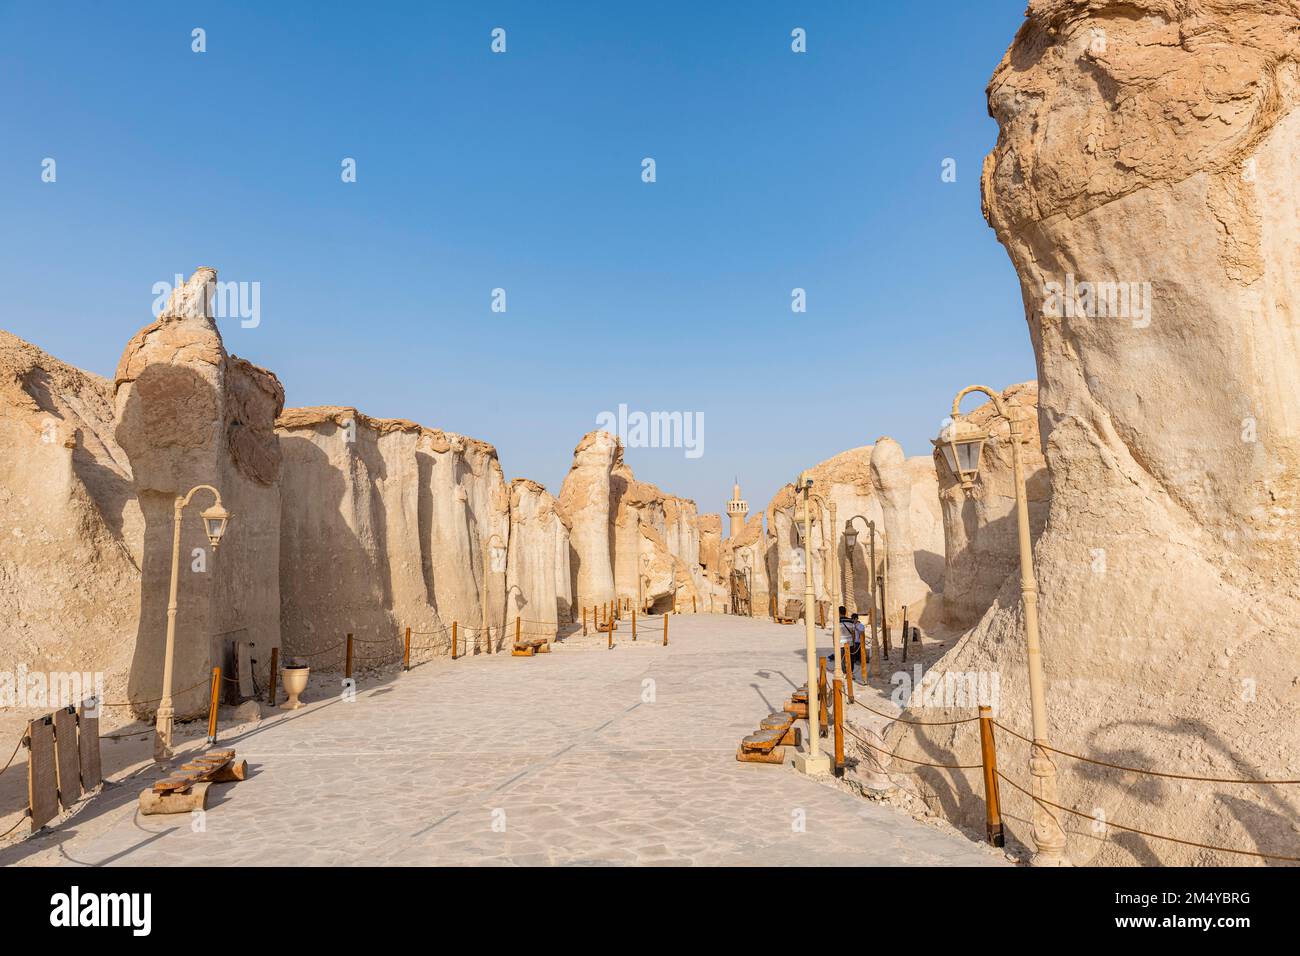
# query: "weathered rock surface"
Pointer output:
{"type": "Point", "coordinates": [585, 498]}
{"type": "Point", "coordinates": [386, 525]}
{"type": "Point", "coordinates": [72, 537]}
{"type": "Point", "coordinates": [538, 561]}
{"type": "Point", "coordinates": [864, 485]}
{"type": "Point", "coordinates": [981, 545]}
{"type": "Point", "coordinates": [187, 413]}
{"type": "Point", "coordinates": [1156, 142]}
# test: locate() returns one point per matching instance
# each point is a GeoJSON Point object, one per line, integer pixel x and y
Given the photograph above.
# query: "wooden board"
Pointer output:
{"type": "Point", "coordinates": [42, 777]}
{"type": "Point", "coordinates": [244, 656]}
{"type": "Point", "coordinates": [92, 774]}
{"type": "Point", "coordinates": [201, 768]}
{"type": "Point", "coordinates": [67, 757]}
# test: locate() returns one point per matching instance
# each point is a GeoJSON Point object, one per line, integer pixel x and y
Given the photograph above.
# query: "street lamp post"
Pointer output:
{"type": "Point", "coordinates": [961, 442]}
{"type": "Point", "coordinates": [215, 520]}
{"type": "Point", "coordinates": [812, 761]}
{"type": "Point", "coordinates": [850, 542]}
{"type": "Point", "coordinates": [832, 573]}
{"type": "Point", "coordinates": [487, 588]}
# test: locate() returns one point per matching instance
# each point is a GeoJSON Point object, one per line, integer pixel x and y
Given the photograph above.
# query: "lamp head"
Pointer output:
{"type": "Point", "coordinates": [850, 535]}
{"type": "Point", "coordinates": [215, 520]}
{"type": "Point", "coordinates": [961, 442]}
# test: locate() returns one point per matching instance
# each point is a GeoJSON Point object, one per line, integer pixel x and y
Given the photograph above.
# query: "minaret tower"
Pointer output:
{"type": "Point", "coordinates": [737, 509]}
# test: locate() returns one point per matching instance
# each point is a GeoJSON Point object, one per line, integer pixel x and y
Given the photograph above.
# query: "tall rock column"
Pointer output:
{"type": "Point", "coordinates": [585, 498]}
{"type": "Point", "coordinates": [1146, 185]}
{"type": "Point", "coordinates": [892, 481]}
{"type": "Point", "coordinates": [188, 414]}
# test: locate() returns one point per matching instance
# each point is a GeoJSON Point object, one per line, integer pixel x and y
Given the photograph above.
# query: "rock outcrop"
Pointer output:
{"type": "Point", "coordinates": [72, 539]}
{"type": "Point", "coordinates": [537, 573]}
{"type": "Point", "coordinates": [189, 414]}
{"type": "Point", "coordinates": [585, 498]}
{"type": "Point", "coordinates": [386, 525]}
{"type": "Point", "coordinates": [865, 485]}
{"type": "Point", "coordinates": [981, 545]}
{"type": "Point", "coordinates": [1145, 186]}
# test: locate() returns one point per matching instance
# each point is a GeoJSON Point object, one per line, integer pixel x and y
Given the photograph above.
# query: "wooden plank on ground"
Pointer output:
{"type": "Point", "coordinates": [67, 757]}
{"type": "Point", "coordinates": [42, 777]}
{"type": "Point", "coordinates": [92, 774]}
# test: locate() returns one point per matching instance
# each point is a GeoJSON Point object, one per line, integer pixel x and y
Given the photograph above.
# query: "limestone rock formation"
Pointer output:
{"type": "Point", "coordinates": [72, 537]}
{"type": "Point", "coordinates": [187, 413]}
{"type": "Point", "coordinates": [864, 485]}
{"type": "Point", "coordinates": [585, 498]}
{"type": "Point", "coordinates": [386, 525]}
{"type": "Point", "coordinates": [1145, 186]}
{"type": "Point", "coordinates": [538, 561]}
{"type": "Point", "coordinates": [981, 546]}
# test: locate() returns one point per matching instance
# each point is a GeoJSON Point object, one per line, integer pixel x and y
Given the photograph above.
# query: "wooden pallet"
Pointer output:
{"type": "Point", "coordinates": [187, 789]}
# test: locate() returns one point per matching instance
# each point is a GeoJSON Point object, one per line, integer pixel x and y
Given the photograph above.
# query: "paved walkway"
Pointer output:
{"type": "Point", "coordinates": [583, 756]}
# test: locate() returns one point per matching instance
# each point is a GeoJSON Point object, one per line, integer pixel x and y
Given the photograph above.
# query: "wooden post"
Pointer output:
{"type": "Point", "coordinates": [453, 640]}
{"type": "Point", "coordinates": [694, 609]}
{"type": "Point", "coordinates": [634, 624]}
{"type": "Point", "coordinates": [839, 727]}
{"type": "Point", "coordinates": [665, 630]}
{"type": "Point", "coordinates": [347, 672]}
{"type": "Point", "coordinates": [406, 654]}
{"type": "Point", "coordinates": [212, 705]}
{"type": "Point", "coordinates": [611, 633]}
{"type": "Point", "coordinates": [862, 656]}
{"type": "Point", "coordinates": [516, 628]}
{"type": "Point", "coordinates": [584, 620]}
{"type": "Point", "coordinates": [848, 667]}
{"type": "Point", "coordinates": [904, 633]}
{"type": "Point", "coordinates": [275, 672]}
{"type": "Point", "coordinates": [989, 758]}
{"type": "Point", "coordinates": [821, 693]}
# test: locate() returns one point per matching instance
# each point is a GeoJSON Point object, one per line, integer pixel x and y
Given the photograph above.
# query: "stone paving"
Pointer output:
{"type": "Point", "coordinates": [582, 756]}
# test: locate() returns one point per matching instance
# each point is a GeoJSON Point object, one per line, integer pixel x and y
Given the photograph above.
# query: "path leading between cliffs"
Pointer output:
{"type": "Point", "coordinates": [582, 756]}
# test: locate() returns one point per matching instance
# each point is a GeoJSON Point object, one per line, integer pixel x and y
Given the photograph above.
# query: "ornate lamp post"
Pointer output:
{"type": "Point", "coordinates": [812, 761]}
{"type": "Point", "coordinates": [489, 552]}
{"type": "Point", "coordinates": [851, 542]}
{"type": "Point", "coordinates": [961, 442]}
{"type": "Point", "coordinates": [215, 520]}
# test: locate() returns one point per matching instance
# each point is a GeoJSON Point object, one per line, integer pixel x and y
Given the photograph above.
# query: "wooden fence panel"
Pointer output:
{"type": "Point", "coordinates": [67, 756]}
{"type": "Point", "coordinates": [42, 777]}
{"type": "Point", "coordinates": [92, 774]}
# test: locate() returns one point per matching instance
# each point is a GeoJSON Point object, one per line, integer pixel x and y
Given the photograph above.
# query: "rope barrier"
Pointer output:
{"type": "Point", "coordinates": [156, 700]}
{"type": "Point", "coordinates": [1154, 836]}
{"type": "Point", "coordinates": [917, 723]}
{"type": "Point", "coordinates": [1152, 773]}
{"type": "Point", "coordinates": [17, 747]}
{"type": "Point", "coordinates": [14, 827]}
{"type": "Point", "coordinates": [923, 763]}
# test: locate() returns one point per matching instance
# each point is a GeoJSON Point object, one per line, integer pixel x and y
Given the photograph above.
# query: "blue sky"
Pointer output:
{"type": "Point", "coordinates": [523, 171]}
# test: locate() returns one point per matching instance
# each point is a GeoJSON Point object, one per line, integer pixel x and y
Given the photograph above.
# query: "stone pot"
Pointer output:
{"type": "Point", "coordinates": [295, 682]}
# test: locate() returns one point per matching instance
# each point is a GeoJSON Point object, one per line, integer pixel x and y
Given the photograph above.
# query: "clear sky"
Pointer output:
{"type": "Point", "coordinates": [523, 171]}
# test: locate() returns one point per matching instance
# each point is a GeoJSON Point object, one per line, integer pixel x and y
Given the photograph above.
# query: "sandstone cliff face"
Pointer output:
{"type": "Point", "coordinates": [981, 547]}
{"type": "Point", "coordinates": [385, 524]}
{"type": "Point", "coordinates": [70, 549]}
{"type": "Point", "coordinates": [880, 486]}
{"type": "Point", "coordinates": [187, 413]}
{"type": "Point", "coordinates": [1157, 142]}
{"type": "Point", "coordinates": [538, 559]}
{"type": "Point", "coordinates": [585, 498]}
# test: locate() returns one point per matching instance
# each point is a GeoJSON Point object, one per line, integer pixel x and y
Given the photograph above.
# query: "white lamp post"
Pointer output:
{"type": "Point", "coordinates": [961, 442]}
{"type": "Point", "coordinates": [812, 760]}
{"type": "Point", "coordinates": [215, 520]}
